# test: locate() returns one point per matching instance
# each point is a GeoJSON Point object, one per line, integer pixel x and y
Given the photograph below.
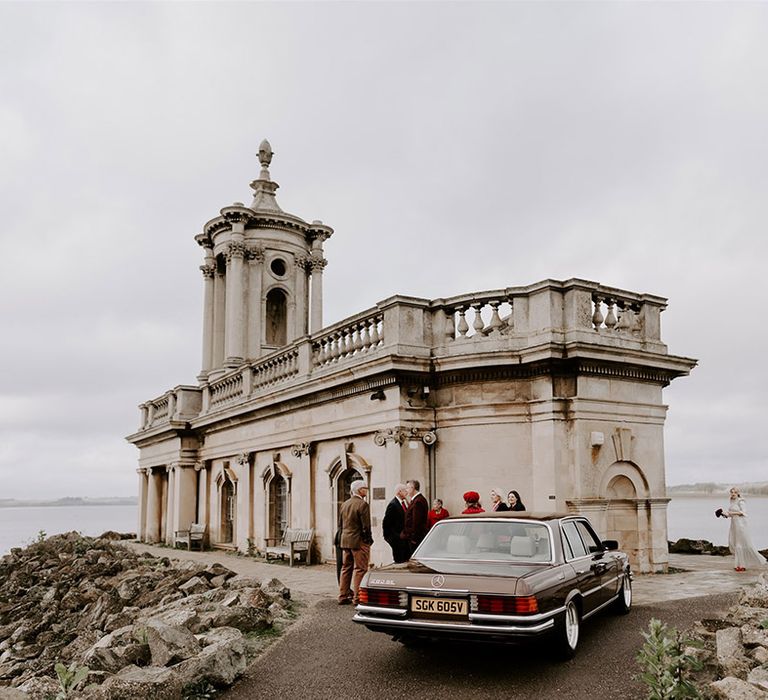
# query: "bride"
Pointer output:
{"type": "Point", "coordinates": [739, 541]}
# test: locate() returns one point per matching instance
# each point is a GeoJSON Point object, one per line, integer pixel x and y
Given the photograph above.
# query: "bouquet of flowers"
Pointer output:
{"type": "Point", "coordinates": [719, 513]}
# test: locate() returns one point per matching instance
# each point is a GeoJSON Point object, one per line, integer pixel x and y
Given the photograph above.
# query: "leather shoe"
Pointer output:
{"type": "Point", "coordinates": [345, 601]}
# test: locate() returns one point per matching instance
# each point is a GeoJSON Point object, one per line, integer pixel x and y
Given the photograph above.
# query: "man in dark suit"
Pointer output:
{"type": "Point", "coordinates": [392, 525]}
{"type": "Point", "coordinates": [356, 541]}
{"type": "Point", "coordinates": [416, 517]}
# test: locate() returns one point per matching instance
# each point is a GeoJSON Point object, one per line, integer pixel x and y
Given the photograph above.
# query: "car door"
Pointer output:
{"type": "Point", "coordinates": [580, 560]}
{"type": "Point", "coordinates": [602, 563]}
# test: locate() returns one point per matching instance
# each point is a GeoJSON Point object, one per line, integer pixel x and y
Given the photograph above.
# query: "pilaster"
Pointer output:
{"type": "Point", "coordinates": [208, 269]}
{"type": "Point", "coordinates": [317, 264]}
{"type": "Point", "coordinates": [233, 344]}
{"type": "Point", "coordinates": [255, 257]}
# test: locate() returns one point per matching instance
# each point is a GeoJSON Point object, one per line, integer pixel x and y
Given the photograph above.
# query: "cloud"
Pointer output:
{"type": "Point", "coordinates": [453, 147]}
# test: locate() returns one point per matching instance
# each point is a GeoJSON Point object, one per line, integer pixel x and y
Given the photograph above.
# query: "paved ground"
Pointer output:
{"type": "Point", "coordinates": [703, 575]}
{"type": "Point", "coordinates": [325, 655]}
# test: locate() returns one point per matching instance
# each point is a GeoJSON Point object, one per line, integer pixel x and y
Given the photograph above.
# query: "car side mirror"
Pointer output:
{"type": "Point", "coordinates": [611, 545]}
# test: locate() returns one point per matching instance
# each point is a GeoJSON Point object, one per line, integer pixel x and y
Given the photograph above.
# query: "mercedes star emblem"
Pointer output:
{"type": "Point", "coordinates": [438, 580]}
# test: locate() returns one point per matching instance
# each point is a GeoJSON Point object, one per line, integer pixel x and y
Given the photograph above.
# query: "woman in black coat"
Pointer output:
{"type": "Point", "coordinates": [514, 501]}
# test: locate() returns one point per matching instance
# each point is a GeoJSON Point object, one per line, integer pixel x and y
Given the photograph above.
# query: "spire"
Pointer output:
{"type": "Point", "coordinates": [263, 188]}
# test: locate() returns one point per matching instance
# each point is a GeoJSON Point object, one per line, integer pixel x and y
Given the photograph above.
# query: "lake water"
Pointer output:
{"type": "Point", "coordinates": [20, 526]}
{"type": "Point", "coordinates": [688, 516]}
{"type": "Point", "coordinates": [694, 517]}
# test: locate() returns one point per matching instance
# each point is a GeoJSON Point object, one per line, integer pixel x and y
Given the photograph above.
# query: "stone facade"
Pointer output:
{"type": "Point", "coordinates": [553, 389]}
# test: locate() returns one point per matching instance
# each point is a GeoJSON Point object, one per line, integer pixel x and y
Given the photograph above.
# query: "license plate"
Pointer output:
{"type": "Point", "coordinates": [439, 606]}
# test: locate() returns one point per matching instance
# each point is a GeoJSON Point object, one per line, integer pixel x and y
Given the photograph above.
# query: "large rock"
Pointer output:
{"type": "Point", "coordinates": [274, 586]}
{"type": "Point", "coordinates": [150, 683]}
{"type": "Point", "coordinates": [41, 688]}
{"type": "Point", "coordinates": [730, 653]}
{"type": "Point", "coordinates": [197, 584]}
{"type": "Point", "coordinates": [221, 661]}
{"type": "Point", "coordinates": [755, 596]}
{"type": "Point", "coordinates": [736, 689]}
{"type": "Point", "coordinates": [12, 694]}
{"type": "Point", "coordinates": [759, 677]}
{"type": "Point", "coordinates": [168, 644]}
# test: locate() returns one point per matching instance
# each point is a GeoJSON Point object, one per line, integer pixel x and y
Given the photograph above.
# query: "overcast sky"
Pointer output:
{"type": "Point", "coordinates": [453, 147]}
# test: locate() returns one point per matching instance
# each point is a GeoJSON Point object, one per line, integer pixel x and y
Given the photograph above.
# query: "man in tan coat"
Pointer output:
{"type": "Point", "coordinates": [356, 541]}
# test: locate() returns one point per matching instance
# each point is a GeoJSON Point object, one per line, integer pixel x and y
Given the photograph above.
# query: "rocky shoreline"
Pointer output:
{"type": "Point", "coordinates": [688, 546]}
{"type": "Point", "coordinates": [142, 625]}
{"type": "Point", "coordinates": [733, 650]}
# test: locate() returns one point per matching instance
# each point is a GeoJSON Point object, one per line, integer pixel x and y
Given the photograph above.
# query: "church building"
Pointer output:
{"type": "Point", "coordinates": [553, 389]}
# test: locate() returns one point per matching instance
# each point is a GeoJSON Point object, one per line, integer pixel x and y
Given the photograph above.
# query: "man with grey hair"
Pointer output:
{"type": "Point", "coordinates": [392, 525]}
{"type": "Point", "coordinates": [356, 541]}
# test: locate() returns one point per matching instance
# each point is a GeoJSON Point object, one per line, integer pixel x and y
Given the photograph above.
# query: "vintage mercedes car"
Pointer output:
{"type": "Point", "coordinates": [502, 577]}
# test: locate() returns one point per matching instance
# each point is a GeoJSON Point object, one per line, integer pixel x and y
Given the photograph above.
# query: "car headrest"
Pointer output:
{"type": "Point", "coordinates": [457, 544]}
{"type": "Point", "coordinates": [522, 547]}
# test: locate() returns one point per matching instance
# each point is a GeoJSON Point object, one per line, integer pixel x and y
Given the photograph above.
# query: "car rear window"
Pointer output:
{"type": "Point", "coordinates": [481, 540]}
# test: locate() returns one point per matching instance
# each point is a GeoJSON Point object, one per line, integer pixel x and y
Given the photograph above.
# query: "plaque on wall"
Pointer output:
{"type": "Point", "coordinates": [379, 493]}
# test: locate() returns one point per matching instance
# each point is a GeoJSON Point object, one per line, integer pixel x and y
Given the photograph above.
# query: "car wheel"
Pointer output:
{"type": "Point", "coordinates": [623, 603]}
{"type": "Point", "coordinates": [567, 630]}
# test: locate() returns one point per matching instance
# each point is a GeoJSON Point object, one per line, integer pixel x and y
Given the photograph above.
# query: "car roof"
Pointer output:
{"type": "Point", "coordinates": [515, 515]}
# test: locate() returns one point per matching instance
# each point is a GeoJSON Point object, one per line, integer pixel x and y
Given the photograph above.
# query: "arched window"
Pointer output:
{"type": "Point", "coordinates": [278, 506]}
{"type": "Point", "coordinates": [277, 318]}
{"type": "Point", "coordinates": [227, 510]}
{"type": "Point", "coordinates": [277, 496]}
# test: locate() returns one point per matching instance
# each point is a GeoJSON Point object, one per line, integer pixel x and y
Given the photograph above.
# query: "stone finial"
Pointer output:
{"type": "Point", "coordinates": [263, 188]}
{"type": "Point", "coordinates": [265, 156]}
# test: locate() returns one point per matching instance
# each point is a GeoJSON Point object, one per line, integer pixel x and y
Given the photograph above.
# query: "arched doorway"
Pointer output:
{"type": "Point", "coordinates": [276, 331]}
{"type": "Point", "coordinates": [627, 517]}
{"type": "Point", "coordinates": [227, 510]}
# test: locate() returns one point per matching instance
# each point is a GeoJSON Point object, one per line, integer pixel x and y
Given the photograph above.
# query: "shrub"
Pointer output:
{"type": "Point", "coordinates": [666, 664]}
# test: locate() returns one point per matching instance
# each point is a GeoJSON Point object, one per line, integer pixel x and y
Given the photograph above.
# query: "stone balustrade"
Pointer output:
{"type": "Point", "coordinates": [226, 390]}
{"type": "Point", "coordinates": [275, 369]}
{"type": "Point", "coordinates": [573, 313]}
{"type": "Point", "coordinates": [362, 334]}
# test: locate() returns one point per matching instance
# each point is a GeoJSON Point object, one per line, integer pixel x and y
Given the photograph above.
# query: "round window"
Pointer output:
{"type": "Point", "coordinates": [278, 267]}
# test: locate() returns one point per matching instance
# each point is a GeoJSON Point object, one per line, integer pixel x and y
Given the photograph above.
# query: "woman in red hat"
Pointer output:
{"type": "Point", "coordinates": [472, 500]}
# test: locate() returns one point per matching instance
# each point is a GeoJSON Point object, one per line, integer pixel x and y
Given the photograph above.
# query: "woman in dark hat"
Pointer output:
{"type": "Point", "coordinates": [472, 501]}
{"type": "Point", "coordinates": [514, 501]}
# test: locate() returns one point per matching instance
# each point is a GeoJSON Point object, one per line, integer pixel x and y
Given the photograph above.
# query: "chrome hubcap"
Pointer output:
{"type": "Point", "coordinates": [627, 592]}
{"type": "Point", "coordinates": [572, 625]}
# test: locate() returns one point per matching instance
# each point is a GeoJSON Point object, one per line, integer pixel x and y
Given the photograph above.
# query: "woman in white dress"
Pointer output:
{"type": "Point", "coordinates": [739, 541]}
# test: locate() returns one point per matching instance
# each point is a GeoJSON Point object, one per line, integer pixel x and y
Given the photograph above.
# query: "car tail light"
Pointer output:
{"type": "Point", "coordinates": [382, 598]}
{"type": "Point", "coordinates": [506, 605]}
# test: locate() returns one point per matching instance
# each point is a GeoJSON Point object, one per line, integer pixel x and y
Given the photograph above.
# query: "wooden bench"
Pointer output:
{"type": "Point", "coordinates": [194, 536]}
{"type": "Point", "coordinates": [294, 542]}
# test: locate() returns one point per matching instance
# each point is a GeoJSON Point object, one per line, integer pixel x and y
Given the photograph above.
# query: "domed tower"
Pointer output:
{"type": "Point", "coordinates": [263, 276]}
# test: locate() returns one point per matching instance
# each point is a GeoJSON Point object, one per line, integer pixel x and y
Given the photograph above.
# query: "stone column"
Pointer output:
{"type": "Point", "coordinates": [141, 529]}
{"type": "Point", "coordinates": [152, 526]}
{"type": "Point", "coordinates": [170, 506]}
{"type": "Point", "coordinates": [233, 325]}
{"type": "Point", "coordinates": [255, 274]}
{"type": "Point", "coordinates": [185, 496]}
{"type": "Point", "coordinates": [219, 310]}
{"type": "Point", "coordinates": [208, 269]}
{"type": "Point", "coordinates": [317, 264]}
{"type": "Point", "coordinates": [242, 527]}
{"type": "Point", "coordinates": [203, 507]}
{"type": "Point", "coordinates": [302, 312]}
